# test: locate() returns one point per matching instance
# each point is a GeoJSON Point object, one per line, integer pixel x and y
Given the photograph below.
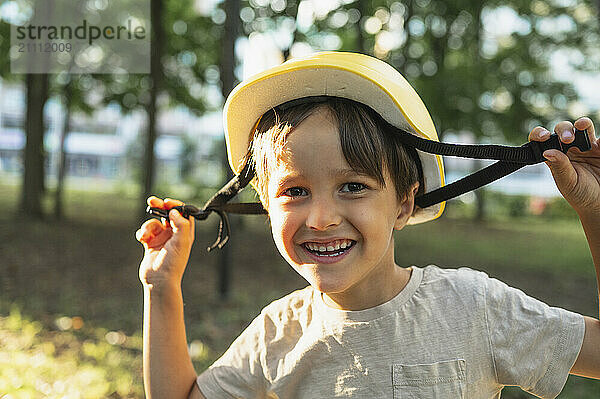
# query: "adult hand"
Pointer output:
{"type": "Point", "coordinates": [577, 174]}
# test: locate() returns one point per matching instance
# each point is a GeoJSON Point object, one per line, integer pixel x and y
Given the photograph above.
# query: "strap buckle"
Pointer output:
{"type": "Point", "coordinates": [581, 141]}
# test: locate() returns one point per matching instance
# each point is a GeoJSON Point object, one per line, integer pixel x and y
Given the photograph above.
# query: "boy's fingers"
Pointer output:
{"type": "Point", "coordinates": [139, 234]}
{"type": "Point", "coordinates": [181, 223]}
{"type": "Point", "coordinates": [177, 218]}
{"type": "Point", "coordinates": [170, 203]}
{"type": "Point", "coordinates": [155, 202]}
{"type": "Point", "coordinates": [167, 203]}
{"type": "Point", "coordinates": [151, 227]}
{"type": "Point", "coordinates": [143, 236]}
{"type": "Point", "coordinates": [158, 240]}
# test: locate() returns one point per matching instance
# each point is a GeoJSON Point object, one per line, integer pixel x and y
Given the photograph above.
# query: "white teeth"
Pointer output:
{"type": "Point", "coordinates": [334, 246]}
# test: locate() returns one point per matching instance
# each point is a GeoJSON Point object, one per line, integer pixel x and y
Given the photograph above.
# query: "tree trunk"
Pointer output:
{"type": "Point", "coordinates": [227, 66]}
{"type": "Point", "coordinates": [33, 175]}
{"type": "Point", "coordinates": [62, 156]}
{"type": "Point", "coordinates": [149, 164]}
{"type": "Point", "coordinates": [407, 16]}
{"type": "Point", "coordinates": [480, 198]}
{"type": "Point", "coordinates": [360, 37]}
{"type": "Point", "coordinates": [294, 14]}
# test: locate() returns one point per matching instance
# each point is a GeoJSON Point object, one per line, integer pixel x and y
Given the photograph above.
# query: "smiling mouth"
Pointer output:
{"type": "Point", "coordinates": [333, 249]}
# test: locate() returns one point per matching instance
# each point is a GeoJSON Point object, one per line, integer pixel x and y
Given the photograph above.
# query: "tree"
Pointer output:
{"type": "Point", "coordinates": [33, 185]}
{"type": "Point", "coordinates": [227, 66]}
{"type": "Point", "coordinates": [156, 79]}
{"type": "Point", "coordinates": [178, 74]}
{"type": "Point", "coordinates": [34, 157]}
{"type": "Point", "coordinates": [73, 100]}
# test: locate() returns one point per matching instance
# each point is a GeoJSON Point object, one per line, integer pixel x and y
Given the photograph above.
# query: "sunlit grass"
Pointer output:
{"type": "Point", "coordinates": [525, 244]}
{"type": "Point", "coordinates": [38, 362]}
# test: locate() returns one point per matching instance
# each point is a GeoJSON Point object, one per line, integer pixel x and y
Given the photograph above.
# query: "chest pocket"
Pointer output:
{"type": "Point", "coordinates": [424, 381]}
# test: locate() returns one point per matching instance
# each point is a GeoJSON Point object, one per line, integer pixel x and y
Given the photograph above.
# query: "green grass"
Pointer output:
{"type": "Point", "coordinates": [84, 363]}
{"type": "Point", "coordinates": [71, 301]}
{"type": "Point", "coordinates": [524, 243]}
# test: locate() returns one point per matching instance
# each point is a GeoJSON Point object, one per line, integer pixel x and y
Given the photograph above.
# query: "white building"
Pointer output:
{"type": "Point", "coordinates": [108, 145]}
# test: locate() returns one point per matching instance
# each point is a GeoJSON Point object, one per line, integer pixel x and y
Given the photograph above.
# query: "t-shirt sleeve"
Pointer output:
{"type": "Point", "coordinates": [533, 345]}
{"type": "Point", "coordinates": [238, 373]}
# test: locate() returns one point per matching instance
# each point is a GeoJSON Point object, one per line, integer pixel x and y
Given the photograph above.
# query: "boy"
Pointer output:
{"type": "Point", "coordinates": [336, 182]}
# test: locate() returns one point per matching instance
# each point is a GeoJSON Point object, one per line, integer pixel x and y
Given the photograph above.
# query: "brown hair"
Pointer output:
{"type": "Point", "coordinates": [368, 143]}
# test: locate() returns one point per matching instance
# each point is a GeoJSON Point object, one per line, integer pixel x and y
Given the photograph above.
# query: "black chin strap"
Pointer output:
{"type": "Point", "coordinates": [509, 159]}
{"type": "Point", "coordinates": [218, 204]}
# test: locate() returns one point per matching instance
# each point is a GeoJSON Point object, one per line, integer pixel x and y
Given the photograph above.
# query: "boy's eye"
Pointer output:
{"type": "Point", "coordinates": [294, 192]}
{"type": "Point", "coordinates": [353, 187]}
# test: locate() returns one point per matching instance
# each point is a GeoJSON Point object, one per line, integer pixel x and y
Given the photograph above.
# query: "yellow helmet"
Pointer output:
{"type": "Point", "coordinates": [357, 77]}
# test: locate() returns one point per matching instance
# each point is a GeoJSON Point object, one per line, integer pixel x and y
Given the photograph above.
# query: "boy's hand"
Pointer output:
{"type": "Point", "coordinates": [167, 245]}
{"type": "Point", "coordinates": [577, 174]}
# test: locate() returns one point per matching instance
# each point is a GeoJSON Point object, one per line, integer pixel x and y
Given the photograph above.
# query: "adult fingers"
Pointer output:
{"type": "Point", "coordinates": [565, 131]}
{"type": "Point", "coordinates": [539, 133]}
{"type": "Point", "coordinates": [562, 170]}
{"type": "Point", "coordinates": [586, 123]}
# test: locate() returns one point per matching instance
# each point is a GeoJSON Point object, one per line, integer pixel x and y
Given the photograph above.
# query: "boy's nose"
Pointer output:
{"type": "Point", "coordinates": [323, 214]}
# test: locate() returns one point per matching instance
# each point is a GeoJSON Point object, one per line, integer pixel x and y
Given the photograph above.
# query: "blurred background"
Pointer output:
{"type": "Point", "coordinates": [79, 154]}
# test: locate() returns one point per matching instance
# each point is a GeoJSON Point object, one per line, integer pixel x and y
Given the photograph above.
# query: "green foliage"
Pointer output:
{"type": "Point", "coordinates": [190, 48]}
{"type": "Point", "coordinates": [495, 87]}
{"type": "Point", "coordinates": [558, 208]}
{"type": "Point", "coordinates": [36, 361]}
{"type": "Point", "coordinates": [5, 49]}
{"type": "Point", "coordinates": [495, 83]}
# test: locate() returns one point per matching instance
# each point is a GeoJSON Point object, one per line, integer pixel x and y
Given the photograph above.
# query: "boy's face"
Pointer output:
{"type": "Point", "coordinates": [331, 224]}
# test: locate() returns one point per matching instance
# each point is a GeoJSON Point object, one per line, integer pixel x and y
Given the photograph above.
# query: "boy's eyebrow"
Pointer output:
{"type": "Point", "coordinates": [341, 172]}
{"type": "Point", "coordinates": [348, 173]}
{"type": "Point", "coordinates": [291, 178]}
{"type": "Point", "coordinates": [286, 179]}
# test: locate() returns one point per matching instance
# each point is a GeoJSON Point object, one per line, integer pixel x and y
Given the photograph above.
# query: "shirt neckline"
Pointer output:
{"type": "Point", "coordinates": [391, 306]}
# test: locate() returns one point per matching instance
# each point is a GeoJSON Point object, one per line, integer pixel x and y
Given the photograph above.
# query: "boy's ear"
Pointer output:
{"type": "Point", "coordinates": [407, 207]}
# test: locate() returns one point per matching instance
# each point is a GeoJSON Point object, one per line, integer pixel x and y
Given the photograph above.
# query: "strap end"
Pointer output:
{"type": "Point", "coordinates": [581, 141]}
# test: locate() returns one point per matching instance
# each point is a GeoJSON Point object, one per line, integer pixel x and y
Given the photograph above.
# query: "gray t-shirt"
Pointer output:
{"type": "Point", "coordinates": [450, 333]}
